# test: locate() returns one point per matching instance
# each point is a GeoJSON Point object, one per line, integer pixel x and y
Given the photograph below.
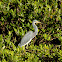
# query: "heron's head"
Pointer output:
{"type": "Point", "coordinates": [35, 21]}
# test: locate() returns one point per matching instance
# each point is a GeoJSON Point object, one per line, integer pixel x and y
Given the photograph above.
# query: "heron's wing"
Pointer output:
{"type": "Point", "coordinates": [27, 38]}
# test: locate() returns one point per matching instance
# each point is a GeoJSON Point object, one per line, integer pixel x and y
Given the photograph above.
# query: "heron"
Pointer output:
{"type": "Point", "coordinates": [29, 35]}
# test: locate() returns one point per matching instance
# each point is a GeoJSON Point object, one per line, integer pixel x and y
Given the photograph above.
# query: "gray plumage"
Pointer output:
{"type": "Point", "coordinates": [29, 35]}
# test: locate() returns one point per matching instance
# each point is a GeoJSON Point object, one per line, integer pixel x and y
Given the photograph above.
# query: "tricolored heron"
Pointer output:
{"type": "Point", "coordinates": [29, 35]}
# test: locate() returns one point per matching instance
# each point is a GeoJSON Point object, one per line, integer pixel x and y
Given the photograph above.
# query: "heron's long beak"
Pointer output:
{"type": "Point", "coordinates": [38, 22]}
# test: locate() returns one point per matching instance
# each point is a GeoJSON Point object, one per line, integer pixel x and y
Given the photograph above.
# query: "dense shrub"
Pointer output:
{"type": "Point", "coordinates": [16, 18]}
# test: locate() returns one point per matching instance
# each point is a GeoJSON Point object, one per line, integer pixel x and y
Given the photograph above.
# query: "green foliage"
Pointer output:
{"type": "Point", "coordinates": [16, 18]}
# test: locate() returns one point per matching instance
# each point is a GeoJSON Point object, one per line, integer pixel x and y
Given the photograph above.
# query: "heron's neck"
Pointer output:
{"type": "Point", "coordinates": [35, 28]}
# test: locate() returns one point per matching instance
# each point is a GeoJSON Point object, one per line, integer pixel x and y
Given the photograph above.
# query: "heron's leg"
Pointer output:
{"type": "Point", "coordinates": [26, 47]}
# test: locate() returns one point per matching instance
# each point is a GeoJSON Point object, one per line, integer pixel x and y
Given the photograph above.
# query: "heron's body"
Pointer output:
{"type": "Point", "coordinates": [29, 36]}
